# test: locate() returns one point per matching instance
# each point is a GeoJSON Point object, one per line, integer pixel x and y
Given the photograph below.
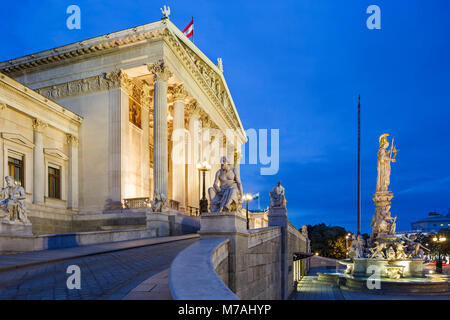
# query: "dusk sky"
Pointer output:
{"type": "Point", "coordinates": [298, 66]}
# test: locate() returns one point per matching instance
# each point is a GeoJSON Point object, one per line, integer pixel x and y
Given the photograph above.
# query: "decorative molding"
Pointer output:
{"type": "Point", "coordinates": [72, 140]}
{"type": "Point", "coordinates": [39, 125]}
{"type": "Point", "coordinates": [2, 106]}
{"type": "Point", "coordinates": [17, 138]}
{"type": "Point", "coordinates": [56, 153]}
{"type": "Point", "coordinates": [86, 47]}
{"type": "Point", "coordinates": [178, 92]}
{"type": "Point", "coordinates": [160, 71]}
{"type": "Point", "coordinates": [105, 81]}
{"type": "Point", "coordinates": [209, 79]}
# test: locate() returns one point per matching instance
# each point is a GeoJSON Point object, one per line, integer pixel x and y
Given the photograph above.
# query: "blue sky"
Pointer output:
{"type": "Point", "coordinates": [298, 66]}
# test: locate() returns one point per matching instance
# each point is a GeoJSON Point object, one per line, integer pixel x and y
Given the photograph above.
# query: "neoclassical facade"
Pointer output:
{"type": "Point", "coordinates": [122, 116]}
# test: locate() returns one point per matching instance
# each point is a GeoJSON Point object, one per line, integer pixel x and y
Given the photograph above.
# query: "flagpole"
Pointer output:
{"type": "Point", "coordinates": [359, 166]}
{"type": "Point", "coordinates": [193, 31]}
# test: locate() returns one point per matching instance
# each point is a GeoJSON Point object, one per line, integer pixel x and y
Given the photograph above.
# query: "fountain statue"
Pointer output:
{"type": "Point", "coordinates": [395, 257]}
{"type": "Point", "coordinates": [395, 262]}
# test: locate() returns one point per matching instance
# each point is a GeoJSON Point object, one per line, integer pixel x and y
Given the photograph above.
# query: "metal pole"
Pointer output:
{"type": "Point", "coordinates": [359, 165]}
{"type": "Point", "coordinates": [246, 204]}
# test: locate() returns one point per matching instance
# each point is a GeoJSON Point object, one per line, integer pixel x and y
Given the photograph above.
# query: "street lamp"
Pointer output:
{"type": "Point", "coordinates": [203, 168]}
{"type": "Point", "coordinates": [439, 240]}
{"type": "Point", "coordinates": [346, 243]}
{"type": "Point", "coordinates": [247, 197]}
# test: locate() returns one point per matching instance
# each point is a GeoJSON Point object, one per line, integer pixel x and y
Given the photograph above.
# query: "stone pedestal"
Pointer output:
{"type": "Point", "coordinates": [233, 226]}
{"type": "Point", "coordinates": [278, 218]}
{"type": "Point", "coordinates": [163, 222]}
{"type": "Point", "coordinates": [15, 229]}
{"type": "Point", "coordinates": [223, 223]}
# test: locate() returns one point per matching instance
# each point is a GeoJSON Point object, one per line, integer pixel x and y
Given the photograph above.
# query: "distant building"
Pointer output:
{"type": "Point", "coordinates": [432, 223]}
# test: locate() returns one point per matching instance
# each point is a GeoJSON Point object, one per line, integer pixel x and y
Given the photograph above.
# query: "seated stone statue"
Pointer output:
{"type": "Point", "coordinates": [226, 193]}
{"type": "Point", "coordinates": [159, 202]}
{"type": "Point", "coordinates": [12, 203]}
{"type": "Point", "coordinates": [277, 197]}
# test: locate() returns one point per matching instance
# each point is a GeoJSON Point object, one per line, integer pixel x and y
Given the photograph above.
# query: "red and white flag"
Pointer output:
{"type": "Point", "coordinates": [189, 30]}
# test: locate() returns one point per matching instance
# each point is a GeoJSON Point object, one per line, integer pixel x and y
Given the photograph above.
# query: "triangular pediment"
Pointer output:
{"type": "Point", "coordinates": [56, 153]}
{"type": "Point", "coordinates": [17, 138]}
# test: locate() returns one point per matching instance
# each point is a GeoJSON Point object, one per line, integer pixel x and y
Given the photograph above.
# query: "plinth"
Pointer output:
{"type": "Point", "coordinates": [226, 222]}
{"type": "Point", "coordinates": [13, 228]}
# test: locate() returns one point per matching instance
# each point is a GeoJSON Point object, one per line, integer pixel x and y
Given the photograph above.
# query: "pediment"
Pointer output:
{"type": "Point", "coordinates": [56, 153]}
{"type": "Point", "coordinates": [17, 138]}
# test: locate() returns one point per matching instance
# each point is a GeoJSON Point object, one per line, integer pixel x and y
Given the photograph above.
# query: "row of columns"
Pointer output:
{"type": "Point", "coordinates": [39, 172]}
{"type": "Point", "coordinates": [180, 193]}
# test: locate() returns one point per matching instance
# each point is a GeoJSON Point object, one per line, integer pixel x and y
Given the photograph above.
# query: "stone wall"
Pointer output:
{"type": "Point", "coordinates": [297, 242]}
{"type": "Point", "coordinates": [251, 265]}
{"type": "Point", "coordinates": [263, 265]}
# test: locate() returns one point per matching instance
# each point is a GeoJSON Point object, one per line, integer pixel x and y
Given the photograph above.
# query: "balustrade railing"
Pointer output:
{"type": "Point", "coordinates": [136, 203]}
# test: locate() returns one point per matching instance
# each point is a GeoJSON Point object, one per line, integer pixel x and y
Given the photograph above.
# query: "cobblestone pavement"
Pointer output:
{"type": "Point", "coordinates": [310, 289]}
{"type": "Point", "coordinates": [103, 276]}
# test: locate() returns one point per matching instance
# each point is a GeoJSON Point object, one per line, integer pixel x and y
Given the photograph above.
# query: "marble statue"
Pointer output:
{"type": "Point", "coordinates": [13, 203]}
{"type": "Point", "coordinates": [400, 250]}
{"type": "Point", "coordinates": [165, 11]}
{"type": "Point", "coordinates": [390, 253]}
{"type": "Point", "coordinates": [356, 249]}
{"type": "Point", "coordinates": [226, 193]}
{"type": "Point", "coordinates": [277, 197]}
{"type": "Point", "coordinates": [384, 163]}
{"type": "Point", "coordinates": [305, 231]}
{"type": "Point", "coordinates": [377, 251]}
{"type": "Point", "coordinates": [159, 203]}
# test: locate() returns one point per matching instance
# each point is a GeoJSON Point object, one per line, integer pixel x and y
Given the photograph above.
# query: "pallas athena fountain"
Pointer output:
{"type": "Point", "coordinates": [396, 262]}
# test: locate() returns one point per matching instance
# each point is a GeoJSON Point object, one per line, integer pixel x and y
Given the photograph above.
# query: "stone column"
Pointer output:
{"type": "Point", "coordinates": [38, 161]}
{"type": "Point", "coordinates": [72, 195]}
{"type": "Point", "coordinates": [161, 74]}
{"type": "Point", "coordinates": [178, 150]}
{"type": "Point", "coordinates": [195, 127]}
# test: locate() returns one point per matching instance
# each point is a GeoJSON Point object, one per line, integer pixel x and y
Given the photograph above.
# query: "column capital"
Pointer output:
{"type": "Point", "coordinates": [178, 92]}
{"type": "Point", "coordinates": [72, 140]}
{"type": "Point", "coordinates": [160, 71]}
{"type": "Point", "coordinates": [2, 106]}
{"type": "Point", "coordinates": [193, 109]}
{"type": "Point", "coordinates": [39, 125]}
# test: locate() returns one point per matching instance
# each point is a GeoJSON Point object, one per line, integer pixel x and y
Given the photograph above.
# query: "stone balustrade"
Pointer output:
{"type": "Point", "coordinates": [193, 273]}
{"type": "Point", "coordinates": [136, 203]}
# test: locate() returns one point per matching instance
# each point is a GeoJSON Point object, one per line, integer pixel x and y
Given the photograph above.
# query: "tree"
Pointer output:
{"type": "Point", "coordinates": [321, 235]}
{"type": "Point", "coordinates": [338, 248]}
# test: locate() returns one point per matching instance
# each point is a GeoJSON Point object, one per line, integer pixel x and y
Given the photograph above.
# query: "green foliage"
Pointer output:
{"type": "Point", "coordinates": [338, 248]}
{"type": "Point", "coordinates": [324, 240]}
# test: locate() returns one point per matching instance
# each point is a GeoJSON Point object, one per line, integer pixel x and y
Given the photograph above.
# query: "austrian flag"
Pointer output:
{"type": "Point", "coordinates": [189, 30]}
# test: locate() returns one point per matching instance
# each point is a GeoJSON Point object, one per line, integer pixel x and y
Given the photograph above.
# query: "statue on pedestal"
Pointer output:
{"type": "Point", "coordinates": [226, 193]}
{"type": "Point", "coordinates": [382, 223]}
{"type": "Point", "coordinates": [12, 203]}
{"type": "Point", "coordinates": [277, 197]}
{"type": "Point", "coordinates": [384, 163]}
{"type": "Point", "coordinates": [159, 202]}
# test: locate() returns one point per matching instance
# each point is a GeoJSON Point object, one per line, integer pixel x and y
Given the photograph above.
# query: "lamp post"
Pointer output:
{"type": "Point", "coordinates": [203, 168]}
{"type": "Point", "coordinates": [247, 198]}
{"type": "Point", "coordinates": [439, 240]}
{"type": "Point", "coordinates": [346, 244]}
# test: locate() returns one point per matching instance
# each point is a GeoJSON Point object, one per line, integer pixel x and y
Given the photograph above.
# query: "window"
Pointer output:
{"type": "Point", "coordinates": [15, 168]}
{"type": "Point", "coordinates": [54, 183]}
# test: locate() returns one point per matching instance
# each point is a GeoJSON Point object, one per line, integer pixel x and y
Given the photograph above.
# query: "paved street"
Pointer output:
{"type": "Point", "coordinates": [310, 289]}
{"type": "Point", "coordinates": [103, 276]}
